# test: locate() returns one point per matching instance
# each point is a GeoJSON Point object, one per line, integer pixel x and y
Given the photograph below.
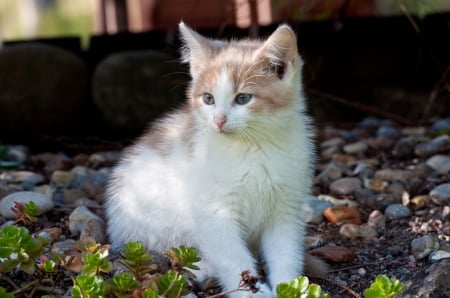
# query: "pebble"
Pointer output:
{"type": "Point", "coordinates": [70, 196]}
{"type": "Point", "coordinates": [343, 214]}
{"type": "Point", "coordinates": [17, 153]}
{"type": "Point", "coordinates": [438, 255]}
{"type": "Point", "coordinates": [414, 131]}
{"type": "Point", "coordinates": [345, 186]}
{"type": "Point", "coordinates": [45, 189]}
{"type": "Point", "coordinates": [388, 132]}
{"type": "Point", "coordinates": [356, 148]}
{"type": "Point", "coordinates": [52, 162]}
{"type": "Point", "coordinates": [441, 125]}
{"type": "Point", "coordinates": [376, 185]}
{"type": "Point", "coordinates": [439, 163]}
{"type": "Point", "coordinates": [423, 246]}
{"type": "Point", "coordinates": [440, 195]}
{"type": "Point", "coordinates": [397, 211]}
{"type": "Point", "coordinates": [338, 202]}
{"type": "Point", "coordinates": [104, 159]}
{"type": "Point", "coordinates": [419, 202]}
{"type": "Point", "coordinates": [329, 174]}
{"type": "Point", "coordinates": [43, 203]}
{"type": "Point", "coordinates": [377, 220]}
{"type": "Point", "coordinates": [314, 214]}
{"type": "Point", "coordinates": [51, 234]}
{"type": "Point", "coordinates": [23, 177]}
{"type": "Point", "coordinates": [404, 147]}
{"type": "Point", "coordinates": [439, 144]}
{"type": "Point", "coordinates": [80, 218]}
{"type": "Point", "coordinates": [394, 175]}
{"type": "Point", "coordinates": [94, 229]}
{"type": "Point", "coordinates": [334, 253]}
{"type": "Point", "coordinates": [361, 232]}
{"type": "Point", "coordinates": [313, 242]}
{"type": "Point", "coordinates": [62, 179]}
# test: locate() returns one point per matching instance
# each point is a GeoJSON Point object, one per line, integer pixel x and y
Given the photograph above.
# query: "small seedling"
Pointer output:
{"type": "Point", "coordinates": [18, 249]}
{"type": "Point", "coordinates": [26, 213]}
{"type": "Point", "coordinates": [300, 288]}
{"type": "Point", "coordinates": [384, 287]}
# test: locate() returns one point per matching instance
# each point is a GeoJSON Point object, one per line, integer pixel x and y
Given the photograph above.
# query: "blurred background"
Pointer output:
{"type": "Point", "coordinates": [102, 69]}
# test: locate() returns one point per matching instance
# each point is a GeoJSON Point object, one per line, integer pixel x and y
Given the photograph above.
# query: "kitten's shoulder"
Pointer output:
{"type": "Point", "coordinates": [177, 127]}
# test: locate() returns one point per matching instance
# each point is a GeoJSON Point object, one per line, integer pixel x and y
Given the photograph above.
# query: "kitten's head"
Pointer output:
{"type": "Point", "coordinates": [240, 87]}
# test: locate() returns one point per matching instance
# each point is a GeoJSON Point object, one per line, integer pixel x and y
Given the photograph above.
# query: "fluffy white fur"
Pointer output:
{"type": "Point", "coordinates": [237, 193]}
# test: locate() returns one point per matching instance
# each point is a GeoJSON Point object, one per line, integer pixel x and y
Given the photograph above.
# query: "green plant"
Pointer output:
{"type": "Point", "coordinates": [384, 287]}
{"type": "Point", "coordinates": [300, 288]}
{"type": "Point", "coordinates": [26, 213]}
{"type": "Point", "coordinates": [18, 249]}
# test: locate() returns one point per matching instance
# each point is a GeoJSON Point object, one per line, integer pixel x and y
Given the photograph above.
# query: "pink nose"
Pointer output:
{"type": "Point", "coordinates": [220, 121]}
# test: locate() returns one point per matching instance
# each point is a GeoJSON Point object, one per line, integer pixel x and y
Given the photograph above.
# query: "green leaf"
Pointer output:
{"type": "Point", "coordinates": [384, 287]}
{"type": "Point", "coordinates": [150, 293]}
{"type": "Point", "coordinates": [125, 282]}
{"type": "Point", "coordinates": [31, 209]}
{"type": "Point", "coordinates": [185, 256]}
{"type": "Point", "coordinates": [300, 288]}
{"type": "Point", "coordinates": [88, 287]}
{"type": "Point", "coordinates": [5, 294]}
{"type": "Point", "coordinates": [172, 285]}
{"type": "Point", "coordinates": [136, 253]}
{"type": "Point", "coordinates": [96, 262]}
{"type": "Point", "coordinates": [49, 266]}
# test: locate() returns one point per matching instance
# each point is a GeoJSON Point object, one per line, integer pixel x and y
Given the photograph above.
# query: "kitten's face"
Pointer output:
{"type": "Point", "coordinates": [240, 86]}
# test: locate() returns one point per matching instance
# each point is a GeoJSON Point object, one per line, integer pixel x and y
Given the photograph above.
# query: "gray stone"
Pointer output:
{"type": "Point", "coordinates": [345, 186]}
{"type": "Point", "coordinates": [438, 255]}
{"type": "Point", "coordinates": [41, 87]}
{"type": "Point", "coordinates": [315, 213]}
{"type": "Point", "coordinates": [397, 211]}
{"type": "Point", "coordinates": [431, 282]}
{"type": "Point", "coordinates": [329, 174]}
{"type": "Point", "coordinates": [441, 194]}
{"type": "Point", "coordinates": [441, 125]}
{"type": "Point", "coordinates": [62, 179]}
{"type": "Point", "coordinates": [43, 203]}
{"type": "Point", "coordinates": [404, 147]}
{"type": "Point", "coordinates": [22, 177]}
{"type": "Point", "coordinates": [439, 163]}
{"type": "Point", "coordinates": [338, 202]}
{"type": "Point", "coordinates": [437, 145]}
{"type": "Point", "coordinates": [356, 148]}
{"type": "Point", "coordinates": [423, 246]}
{"type": "Point", "coordinates": [80, 217]}
{"type": "Point", "coordinates": [131, 88]}
{"type": "Point", "coordinates": [394, 175]}
{"type": "Point", "coordinates": [388, 132]}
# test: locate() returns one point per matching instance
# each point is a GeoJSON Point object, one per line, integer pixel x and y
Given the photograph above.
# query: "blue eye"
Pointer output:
{"type": "Point", "coordinates": [208, 99]}
{"type": "Point", "coordinates": [243, 98]}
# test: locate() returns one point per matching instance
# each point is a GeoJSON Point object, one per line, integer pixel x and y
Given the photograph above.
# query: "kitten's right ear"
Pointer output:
{"type": "Point", "coordinates": [196, 48]}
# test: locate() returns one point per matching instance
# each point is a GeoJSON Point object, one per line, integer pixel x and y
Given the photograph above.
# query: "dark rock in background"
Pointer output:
{"type": "Point", "coordinates": [132, 88]}
{"type": "Point", "coordinates": [42, 87]}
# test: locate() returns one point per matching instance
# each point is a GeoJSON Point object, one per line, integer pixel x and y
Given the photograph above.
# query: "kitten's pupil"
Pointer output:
{"type": "Point", "coordinates": [208, 99]}
{"type": "Point", "coordinates": [243, 98]}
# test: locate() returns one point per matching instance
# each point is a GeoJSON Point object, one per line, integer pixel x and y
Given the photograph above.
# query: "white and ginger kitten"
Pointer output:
{"type": "Point", "coordinates": [230, 172]}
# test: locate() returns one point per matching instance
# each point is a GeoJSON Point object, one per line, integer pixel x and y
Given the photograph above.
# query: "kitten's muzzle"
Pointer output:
{"type": "Point", "coordinates": [219, 121]}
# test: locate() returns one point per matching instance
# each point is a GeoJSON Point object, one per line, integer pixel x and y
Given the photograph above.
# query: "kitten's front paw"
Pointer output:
{"type": "Point", "coordinates": [263, 292]}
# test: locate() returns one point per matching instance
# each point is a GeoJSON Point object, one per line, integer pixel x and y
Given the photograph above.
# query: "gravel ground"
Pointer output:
{"type": "Point", "coordinates": [393, 180]}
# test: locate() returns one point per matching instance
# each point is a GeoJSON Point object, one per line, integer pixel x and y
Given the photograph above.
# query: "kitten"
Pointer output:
{"type": "Point", "coordinates": [228, 173]}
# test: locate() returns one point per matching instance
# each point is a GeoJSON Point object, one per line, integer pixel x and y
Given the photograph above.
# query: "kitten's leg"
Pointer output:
{"type": "Point", "coordinates": [282, 247]}
{"type": "Point", "coordinates": [222, 246]}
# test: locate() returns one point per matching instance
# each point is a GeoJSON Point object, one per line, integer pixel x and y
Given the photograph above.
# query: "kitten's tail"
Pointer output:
{"type": "Point", "coordinates": [315, 267]}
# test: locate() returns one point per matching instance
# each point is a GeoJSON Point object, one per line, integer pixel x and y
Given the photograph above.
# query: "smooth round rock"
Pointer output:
{"type": "Point", "coordinates": [440, 195]}
{"type": "Point", "coordinates": [356, 148]}
{"type": "Point", "coordinates": [423, 246]}
{"type": "Point", "coordinates": [394, 175]}
{"type": "Point", "coordinates": [345, 186]}
{"type": "Point", "coordinates": [437, 145]}
{"type": "Point", "coordinates": [397, 211]}
{"type": "Point", "coordinates": [315, 212]}
{"type": "Point", "coordinates": [80, 217]}
{"type": "Point", "coordinates": [439, 163]}
{"type": "Point", "coordinates": [43, 203]}
{"type": "Point", "coordinates": [343, 214]}
{"type": "Point", "coordinates": [438, 255]}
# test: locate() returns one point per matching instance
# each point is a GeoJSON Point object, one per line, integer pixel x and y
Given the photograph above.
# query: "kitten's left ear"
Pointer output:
{"type": "Point", "coordinates": [196, 48]}
{"type": "Point", "coordinates": [281, 50]}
